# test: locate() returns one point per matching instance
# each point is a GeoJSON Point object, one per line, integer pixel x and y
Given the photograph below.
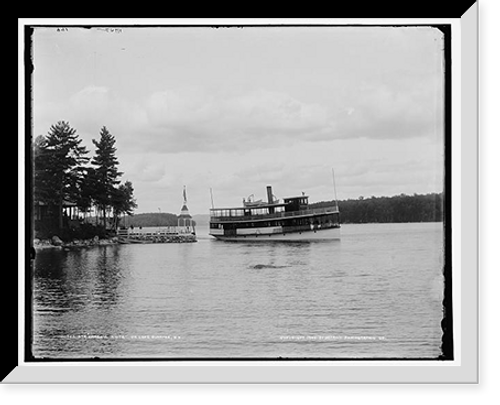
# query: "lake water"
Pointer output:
{"type": "Point", "coordinates": [375, 293]}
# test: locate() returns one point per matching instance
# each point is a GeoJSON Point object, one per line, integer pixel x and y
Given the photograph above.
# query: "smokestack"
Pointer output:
{"type": "Point", "coordinates": [270, 198]}
{"type": "Point", "coordinates": [269, 194]}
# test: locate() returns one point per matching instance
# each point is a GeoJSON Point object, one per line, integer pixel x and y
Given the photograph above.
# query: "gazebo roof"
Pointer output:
{"type": "Point", "coordinates": [184, 212]}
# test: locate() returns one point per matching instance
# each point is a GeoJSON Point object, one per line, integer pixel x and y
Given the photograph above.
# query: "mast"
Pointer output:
{"type": "Point", "coordinates": [212, 197]}
{"type": "Point", "coordinates": [335, 190]}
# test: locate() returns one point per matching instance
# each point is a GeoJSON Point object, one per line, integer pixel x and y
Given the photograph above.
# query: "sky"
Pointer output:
{"type": "Point", "coordinates": [236, 109]}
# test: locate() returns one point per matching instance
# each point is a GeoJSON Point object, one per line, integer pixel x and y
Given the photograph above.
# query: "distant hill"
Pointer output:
{"type": "Point", "coordinates": [150, 219]}
{"type": "Point", "coordinates": [160, 219]}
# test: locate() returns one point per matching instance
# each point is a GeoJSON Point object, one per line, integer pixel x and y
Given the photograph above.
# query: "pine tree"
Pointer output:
{"type": "Point", "coordinates": [58, 166]}
{"type": "Point", "coordinates": [124, 201]}
{"type": "Point", "coordinates": [86, 190]}
{"type": "Point", "coordinates": [42, 176]}
{"type": "Point", "coordinates": [106, 170]}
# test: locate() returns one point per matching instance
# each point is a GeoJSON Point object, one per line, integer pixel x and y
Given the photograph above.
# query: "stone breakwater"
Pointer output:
{"type": "Point", "coordinates": [159, 238]}
{"type": "Point", "coordinates": [56, 242]}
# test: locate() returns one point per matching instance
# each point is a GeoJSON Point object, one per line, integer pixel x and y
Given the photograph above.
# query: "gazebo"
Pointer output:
{"type": "Point", "coordinates": [184, 219]}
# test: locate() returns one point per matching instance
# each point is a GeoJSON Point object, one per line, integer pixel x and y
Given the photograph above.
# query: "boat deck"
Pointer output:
{"type": "Point", "coordinates": [277, 215]}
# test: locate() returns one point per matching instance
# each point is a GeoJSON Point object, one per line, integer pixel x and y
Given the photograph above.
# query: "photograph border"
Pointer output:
{"type": "Point", "coordinates": [450, 238]}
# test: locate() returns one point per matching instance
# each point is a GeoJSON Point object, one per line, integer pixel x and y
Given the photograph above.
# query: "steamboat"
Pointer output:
{"type": "Point", "coordinates": [291, 219]}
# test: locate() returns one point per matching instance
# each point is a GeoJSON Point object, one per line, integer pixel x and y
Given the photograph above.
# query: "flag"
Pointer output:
{"type": "Point", "coordinates": [184, 194]}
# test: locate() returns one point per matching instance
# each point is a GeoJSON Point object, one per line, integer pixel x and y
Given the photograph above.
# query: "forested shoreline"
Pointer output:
{"type": "Point", "coordinates": [399, 208]}
{"type": "Point", "coordinates": [66, 180]}
{"type": "Point", "coordinates": [150, 219]}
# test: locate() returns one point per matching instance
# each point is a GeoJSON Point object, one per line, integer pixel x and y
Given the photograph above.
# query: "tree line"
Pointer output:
{"type": "Point", "coordinates": [150, 219]}
{"type": "Point", "coordinates": [400, 208]}
{"type": "Point", "coordinates": [62, 173]}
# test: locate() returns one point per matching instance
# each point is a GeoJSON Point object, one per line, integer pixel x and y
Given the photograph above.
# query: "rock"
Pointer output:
{"type": "Point", "coordinates": [56, 241]}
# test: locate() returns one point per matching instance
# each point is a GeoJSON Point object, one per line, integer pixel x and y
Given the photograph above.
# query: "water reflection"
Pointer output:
{"type": "Point", "coordinates": [239, 299]}
{"type": "Point", "coordinates": [74, 295]}
{"type": "Point", "coordinates": [108, 278]}
{"type": "Point", "coordinates": [78, 278]}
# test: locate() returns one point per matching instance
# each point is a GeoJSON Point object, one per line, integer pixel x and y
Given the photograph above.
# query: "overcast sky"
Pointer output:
{"type": "Point", "coordinates": [237, 109]}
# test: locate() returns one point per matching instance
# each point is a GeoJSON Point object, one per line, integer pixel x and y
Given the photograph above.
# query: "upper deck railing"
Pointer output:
{"type": "Point", "coordinates": [277, 215]}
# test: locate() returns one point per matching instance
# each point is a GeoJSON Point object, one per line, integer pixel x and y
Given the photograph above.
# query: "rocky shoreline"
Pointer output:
{"type": "Point", "coordinates": [57, 243]}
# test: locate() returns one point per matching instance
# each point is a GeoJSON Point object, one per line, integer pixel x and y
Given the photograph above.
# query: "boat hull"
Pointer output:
{"type": "Point", "coordinates": [319, 234]}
